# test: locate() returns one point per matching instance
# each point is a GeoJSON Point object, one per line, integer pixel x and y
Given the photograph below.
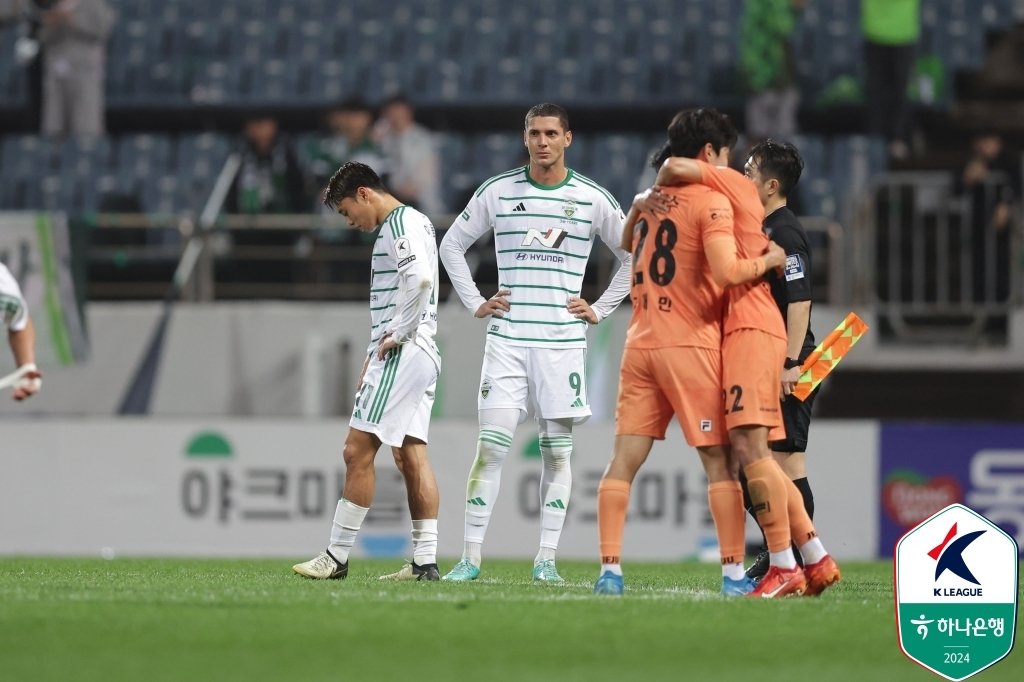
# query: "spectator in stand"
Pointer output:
{"type": "Point", "coordinates": [891, 31]}
{"type": "Point", "coordinates": [349, 138]}
{"type": "Point", "coordinates": [269, 179]}
{"type": "Point", "coordinates": [412, 154]}
{"type": "Point", "coordinates": [767, 69]}
{"type": "Point", "coordinates": [73, 37]}
{"type": "Point", "coordinates": [990, 181]}
{"type": "Point", "coordinates": [27, 15]}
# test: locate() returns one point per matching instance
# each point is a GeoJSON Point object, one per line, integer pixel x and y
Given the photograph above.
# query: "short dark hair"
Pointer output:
{"type": "Point", "coordinates": [778, 160]}
{"type": "Point", "coordinates": [354, 103]}
{"type": "Point", "coordinates": [661, 155]}
{"type": "Point", "coordinates": [691, 129]}
{"type": "Point", "coordinates": [347, 179]}
{"type": "Point", "coordinates": [396, 98]}
{"type": "Point", "coordinates": [548, 109]}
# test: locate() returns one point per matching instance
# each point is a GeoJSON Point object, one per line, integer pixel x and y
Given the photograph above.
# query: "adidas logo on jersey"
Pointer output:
{"type": "Point", "coordinates": [577, 403]}
{"type": "Point", "coordinates": [520, 208]}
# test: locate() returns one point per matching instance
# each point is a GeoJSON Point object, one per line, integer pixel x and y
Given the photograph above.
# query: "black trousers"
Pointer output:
{"type": "Point", "coordinates": [886, 76]}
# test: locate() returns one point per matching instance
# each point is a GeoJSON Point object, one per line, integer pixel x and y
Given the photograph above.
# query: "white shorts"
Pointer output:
{"type": "Point", "coordinates": [396, 396]}
{"type": "Point", "coordinates": [549, 382]}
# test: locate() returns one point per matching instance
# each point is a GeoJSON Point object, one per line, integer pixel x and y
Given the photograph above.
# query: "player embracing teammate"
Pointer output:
{"type": "Point", "coordinates": [753, 352]}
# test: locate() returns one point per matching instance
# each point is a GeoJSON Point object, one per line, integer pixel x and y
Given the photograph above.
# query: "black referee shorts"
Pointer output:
{"type": "Point", "coordinates": [796, 417]}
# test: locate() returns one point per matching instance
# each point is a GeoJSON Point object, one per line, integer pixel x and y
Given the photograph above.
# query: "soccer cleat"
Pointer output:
{"type": "Point", "coordinates": [778, 582]}
{"type": "Point", "coordinates": [322, 567]}
{"type": "Point", "coordinates": [464, 571]}
{"type": "Point", "coordinates": [820, 575]}
{"type": "Point", "coordinates": [413, 571]}
{"type": "Point", "coordinates": [609, 583]}
{"type": "Point", "coordinates": [545, 572]}
{"type": "Point", "coordinates": [737, 588]}
{"type": "Point", "coordinates": [760, 566]}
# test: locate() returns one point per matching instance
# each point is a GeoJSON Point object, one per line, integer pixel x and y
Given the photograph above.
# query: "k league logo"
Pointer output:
{"type": "Point", "coordinates": [956, 593]}
{"type": "Point", "coordinates": [951, 559]}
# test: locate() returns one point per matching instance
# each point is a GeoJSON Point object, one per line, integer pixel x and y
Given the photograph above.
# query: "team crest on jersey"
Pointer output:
{"type": "Point", "coordinates": [485, 388]}
{"type": "Point", "coordinates": [569, 208]}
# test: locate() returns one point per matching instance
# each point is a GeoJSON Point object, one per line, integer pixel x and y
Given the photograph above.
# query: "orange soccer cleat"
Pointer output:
{"type": "Point", "coordinates": [820, 575]}
{"type": "Point", "coordinates": [779, 582]}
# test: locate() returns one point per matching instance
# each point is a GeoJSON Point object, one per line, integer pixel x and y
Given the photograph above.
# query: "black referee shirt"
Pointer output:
{"type": "Point", "coordinates": [783, 228]}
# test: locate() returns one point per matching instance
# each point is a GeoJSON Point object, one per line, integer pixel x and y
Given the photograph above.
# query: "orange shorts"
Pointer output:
{"type": "Point", "coordinates": [654, 384]}
{"type": "Point", "coordinates": [751, 380]}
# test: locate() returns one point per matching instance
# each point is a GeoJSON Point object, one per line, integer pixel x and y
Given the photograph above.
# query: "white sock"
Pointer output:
{"type": "Point", "coordinates": [813, 551]}
{"type": "Point", "coordinates": [348, 517]}
{"type": "Point", "coordinates": [733, 571]}
{"type": "Point", "coordinates": [424, 541]}
{"type": "Point", "coordinates": [555, 487]}
{"type": "Point", "coordinates": [783, 559]}
{"type": "Point", "coordinates": [484, 483]}
{"type": "Point", "coordinates": [544, 554]}
{"type": "Point", "coordinates": [614, 568]}
{"type": "Point", "coordinates": [471, 553]}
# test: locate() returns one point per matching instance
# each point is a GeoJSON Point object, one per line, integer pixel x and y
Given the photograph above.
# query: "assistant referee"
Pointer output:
{"type": "Point", "coordinates": [775, 168]}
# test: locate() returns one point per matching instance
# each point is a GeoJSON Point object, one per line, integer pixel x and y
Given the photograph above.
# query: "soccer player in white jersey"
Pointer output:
{"type": "Point", "coordinates": [21, 334]}
{"type": "Point", "coordinates": [544, 217]}
{"type": "Point", "coordinates": [396, 387]}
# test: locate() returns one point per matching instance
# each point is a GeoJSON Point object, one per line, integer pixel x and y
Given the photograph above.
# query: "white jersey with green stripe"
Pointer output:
{"type": "Point", "coordinates": [543, 236]}
{"type": "Point", "coordinates": [406, 245]}
{"type": "Point", "coordinates": [13, 310]}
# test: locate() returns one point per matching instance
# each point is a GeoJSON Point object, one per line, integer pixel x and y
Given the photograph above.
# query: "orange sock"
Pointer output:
{"type": "Point", "coordinates": [726, 501]}
{"type": "Point", "coordinates": [768, 492]}
{"type": "Point", "coordinates": [801, 528]}
{"type": "Point", "coordinates": [612, 501]}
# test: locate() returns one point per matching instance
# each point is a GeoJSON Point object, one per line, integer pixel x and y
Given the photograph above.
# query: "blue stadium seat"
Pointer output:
{"type": "Point", "coordinates": [682, 51]}
{"type": "Point", "coordinates": [200, 159]}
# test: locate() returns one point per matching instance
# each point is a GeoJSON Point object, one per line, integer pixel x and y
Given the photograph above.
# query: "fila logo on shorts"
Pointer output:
{"type": "Point", "coordinates": [705, 425]}
{"type": "Point", "coordinates": [552, 239]}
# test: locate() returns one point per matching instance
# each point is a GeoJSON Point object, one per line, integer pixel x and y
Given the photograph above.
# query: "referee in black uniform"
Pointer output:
{"type": "Point", "coordinates": [775, 168]}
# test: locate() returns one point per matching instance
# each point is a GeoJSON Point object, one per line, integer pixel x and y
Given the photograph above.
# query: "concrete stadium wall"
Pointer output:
{"type": "Point", "coordinates": [277, 359]}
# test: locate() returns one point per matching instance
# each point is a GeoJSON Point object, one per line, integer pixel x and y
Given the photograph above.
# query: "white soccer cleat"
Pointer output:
{"type": "Point", "coordinates": [405, 573]}
{"type": "Point", "coordinates": [322, 567]}
{"type": "Point", "coordinates": [412, 571]}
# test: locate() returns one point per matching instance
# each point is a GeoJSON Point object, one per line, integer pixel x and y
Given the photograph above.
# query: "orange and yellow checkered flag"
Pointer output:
{"type": "Point", "coordinates": [827, 355]}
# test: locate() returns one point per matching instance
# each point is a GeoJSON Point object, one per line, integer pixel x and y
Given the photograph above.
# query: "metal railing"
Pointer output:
{"type": "Point", "coordinates": [931, 262]}
{"type": "Point", "coordinates": [290, 256]}
{"type": "Point", "coordinates": [831, 282]}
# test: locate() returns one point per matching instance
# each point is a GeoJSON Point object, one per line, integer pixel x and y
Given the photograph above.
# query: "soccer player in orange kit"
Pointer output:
{"type": "Point", "coordinates": [753, 354]}
{"type": "Point", "coordinates": [672, 360]}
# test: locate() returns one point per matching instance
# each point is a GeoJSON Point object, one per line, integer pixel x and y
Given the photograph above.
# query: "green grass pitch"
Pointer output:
{"type": "Point", "coordinates": [148, 619]}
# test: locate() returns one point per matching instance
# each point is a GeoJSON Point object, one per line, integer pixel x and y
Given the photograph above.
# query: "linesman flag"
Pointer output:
{"type": "Point", "coordinates": [827, 355]}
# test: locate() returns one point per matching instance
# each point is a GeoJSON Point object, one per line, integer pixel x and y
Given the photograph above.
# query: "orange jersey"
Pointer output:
{"type": "Point", "coordinates": [676, 301]}
{"type": "Point", "coordinates": [750, 306]}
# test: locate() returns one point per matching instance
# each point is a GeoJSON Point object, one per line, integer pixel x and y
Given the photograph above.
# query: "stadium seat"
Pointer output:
{"type": "Point", "coordinates": [200, 159]}
{"type": "Point", "coordinates": [658, 52]}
